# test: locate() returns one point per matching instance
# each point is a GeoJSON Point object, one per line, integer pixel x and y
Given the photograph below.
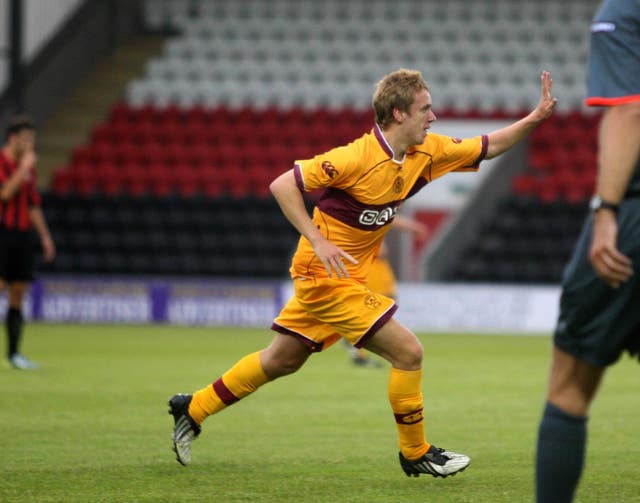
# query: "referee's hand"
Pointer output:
{"type": "Point", "coordinates": [609, 263]}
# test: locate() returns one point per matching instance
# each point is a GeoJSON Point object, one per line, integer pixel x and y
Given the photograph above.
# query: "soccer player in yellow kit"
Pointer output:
{"type": "Point", "coordinates": [365, 182]}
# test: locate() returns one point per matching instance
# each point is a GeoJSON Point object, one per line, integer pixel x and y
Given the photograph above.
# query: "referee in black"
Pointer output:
{"type": "Point", "coordinates": [599, 316]}
{"type": "Point", "coordinates": [20, 213]}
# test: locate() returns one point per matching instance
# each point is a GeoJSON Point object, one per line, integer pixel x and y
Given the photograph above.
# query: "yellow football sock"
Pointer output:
{"type": "Point", "coordinates": [243, 378]}
{"type": "Point", "coordinates": [405, 396]}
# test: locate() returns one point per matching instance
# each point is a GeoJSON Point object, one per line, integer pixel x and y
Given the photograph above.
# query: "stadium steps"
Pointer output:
{"type": "Point", "coordinates": [90, 103]}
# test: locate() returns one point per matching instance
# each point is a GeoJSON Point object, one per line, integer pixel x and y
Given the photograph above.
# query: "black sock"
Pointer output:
{"type": "Point", "coordinates": [560, 454]}
{"type": "Point", "coordinates": [14, 329]}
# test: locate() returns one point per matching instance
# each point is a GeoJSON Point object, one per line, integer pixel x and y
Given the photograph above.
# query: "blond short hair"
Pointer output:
{"type": "Point", "coordinates": [396, 90]}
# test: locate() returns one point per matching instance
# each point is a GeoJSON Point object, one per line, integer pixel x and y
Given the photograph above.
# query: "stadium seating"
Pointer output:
{"type": "Point", "coordinates": [245, 88]}
{"type": "Point", "coordinates": [285, 54]}
{"type": "Point", "coordinates": [166, 151]}
{"type": "Point", "coordinates": [526, 241]}
{"type": "Point", "coordinates": [155, 235]}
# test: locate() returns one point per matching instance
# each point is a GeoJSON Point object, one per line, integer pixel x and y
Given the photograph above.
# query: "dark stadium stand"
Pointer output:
{"type": "Point", "coordinates": [169, 235]}
{"type": "Point", "coordinates": [526, 241]}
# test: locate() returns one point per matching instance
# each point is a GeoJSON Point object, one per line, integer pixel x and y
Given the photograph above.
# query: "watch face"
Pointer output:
{"type": "Point", "coordinates": [595, 203]}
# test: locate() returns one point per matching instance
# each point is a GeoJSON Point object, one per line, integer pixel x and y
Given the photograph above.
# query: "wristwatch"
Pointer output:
{"type": "Point", "coordinates": [597, 203]}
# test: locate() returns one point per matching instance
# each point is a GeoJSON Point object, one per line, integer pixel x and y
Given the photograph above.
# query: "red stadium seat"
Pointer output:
{"type": "Point", "coordinates": [112, 179]}
{"type": "Point", "coordinates": [163, 182]}
{"type": "Point", "coordinates": [173, 115]}
{"type": "Point", "coordinates": [202, 155]}
{"type": "Point", "coordinates": [63, 180]}
{"type": "Point", "coordinates": [103, 134]}
{"type": "Point", "coordinates": [186, 179]}
{"type": "Point", "coordinates": [152, 155]}
{"type": "Point", "coordinates": [122, 112]}
{"type": "Point", "coordinates": [86, 179]}
{"type": "Point", "coordinates": [122, 132]}
{"type": "Point", "coordinates": [211, 187]}
{"type": "Point", "coordinates": [81, 155]}
{"type": "Point", "coordinates": [548, 192]}
{"type": "Point", "coordinates": [137, 178]}
{"type": "Point", "coordinates": [524, 184]}
{"type": "Point", "coordinates": [197, 115]}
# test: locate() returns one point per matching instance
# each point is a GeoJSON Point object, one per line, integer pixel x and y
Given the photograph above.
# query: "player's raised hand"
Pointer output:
{"type": "Point", "coordinates": [547, 102]}
{"type": "Point", "coordinates": [28, 161]}
{"type": "Point", "coordinates": [332, 258]}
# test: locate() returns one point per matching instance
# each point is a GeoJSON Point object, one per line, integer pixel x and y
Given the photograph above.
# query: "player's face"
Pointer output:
{"type": "Point", "coordinates": [25, 141]}
{"type": "Point", "coordinates": [419, 118]}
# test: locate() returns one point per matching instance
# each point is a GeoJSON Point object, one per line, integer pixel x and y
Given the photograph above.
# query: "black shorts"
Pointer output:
{"type": "Point", "coordinates": [597, 323]}
{"type": "Point", "coordinates": [16, 256]}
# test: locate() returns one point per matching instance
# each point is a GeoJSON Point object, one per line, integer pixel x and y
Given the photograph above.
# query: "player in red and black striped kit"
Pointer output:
{"type": "Point", "coordinates": [19, 213]}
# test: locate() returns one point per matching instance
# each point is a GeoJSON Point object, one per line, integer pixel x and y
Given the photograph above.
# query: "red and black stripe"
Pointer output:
{"type": "Point", "coordinates": [225, 394]}
{"type": "Point", "coordinates": [14, 213]}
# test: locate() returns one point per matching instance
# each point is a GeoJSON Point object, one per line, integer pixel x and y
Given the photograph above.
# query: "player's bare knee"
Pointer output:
{"type": "Point", "coordinates": [408, 356]}
{"type": "Point", "coordinates": [290, 364]}
{"type": "Point", "coordinates": [413, 354]}
{"type": "Point", "coordinates": [280, 365]}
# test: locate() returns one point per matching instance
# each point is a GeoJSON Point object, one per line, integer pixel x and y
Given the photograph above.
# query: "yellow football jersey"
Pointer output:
{"type": "Point", "coordinates": [364, 187]}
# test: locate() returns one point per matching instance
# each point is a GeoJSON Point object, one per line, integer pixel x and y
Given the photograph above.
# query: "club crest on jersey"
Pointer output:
{"type": "Point", "coordinates": [377, 217]}
{"type": "Point", "coordinates": [329, 169]}
{"type": "Point", "coordinates": [371, 301]}
{"type": "Point", "coordinates": [398, 185]}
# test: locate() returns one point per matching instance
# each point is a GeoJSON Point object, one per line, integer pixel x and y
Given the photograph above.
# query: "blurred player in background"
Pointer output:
{"type": "Point", "coordinates": [600, 304]}
{"type": "Point", "coordinates": [382, 280]}
{"type": "Point", "coordinates": [365, 182]}
{"type": "Point", "coordinates": [19, 213]}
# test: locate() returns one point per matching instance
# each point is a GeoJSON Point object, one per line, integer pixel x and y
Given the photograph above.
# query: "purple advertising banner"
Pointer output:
{"type": "Point", "coordinates": [174, 301]}
{"type": "Point", "coordinates": [218, 303]}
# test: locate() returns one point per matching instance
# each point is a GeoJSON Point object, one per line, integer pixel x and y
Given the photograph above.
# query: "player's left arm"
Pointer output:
{"type": "Point", "coordinates": [40, 225]}
{"type": "Point", "coordinates": [287, 193]}
{"type": "Point", "coordinates": [503, 139]}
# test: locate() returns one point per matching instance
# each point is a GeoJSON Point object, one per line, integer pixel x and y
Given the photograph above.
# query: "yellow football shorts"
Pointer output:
{"type": "Point", "coordinates": [324, 309]}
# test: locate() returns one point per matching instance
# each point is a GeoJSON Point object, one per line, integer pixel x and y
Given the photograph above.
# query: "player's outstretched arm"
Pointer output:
{"type": "Point", "coordinates": [503, 139]}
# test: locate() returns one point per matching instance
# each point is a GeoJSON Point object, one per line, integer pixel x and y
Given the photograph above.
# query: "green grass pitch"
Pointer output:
{"type": "Point", "coordinates": [92, 425]}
